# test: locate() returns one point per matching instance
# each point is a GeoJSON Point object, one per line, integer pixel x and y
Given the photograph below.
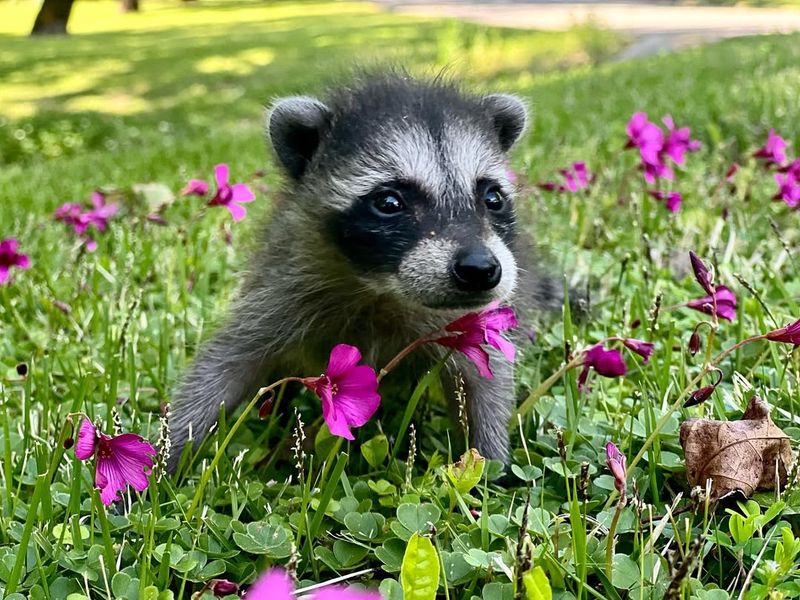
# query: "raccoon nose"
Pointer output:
{"type": "Point", "coordinates": [476, 270]}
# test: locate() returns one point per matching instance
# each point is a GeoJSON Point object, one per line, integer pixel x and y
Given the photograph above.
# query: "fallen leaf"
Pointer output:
{"type": "Point", "coordinates": [739, 455]}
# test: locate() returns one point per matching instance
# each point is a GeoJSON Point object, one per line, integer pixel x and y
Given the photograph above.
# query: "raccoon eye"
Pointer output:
{"type": "Point", "coordinates": [388, 203]}
{"type": "Point", "coordinates": [493, 199]}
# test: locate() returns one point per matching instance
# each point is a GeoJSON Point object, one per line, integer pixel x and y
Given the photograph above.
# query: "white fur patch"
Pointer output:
{"type": "Point", "coordinates": [508, 281]}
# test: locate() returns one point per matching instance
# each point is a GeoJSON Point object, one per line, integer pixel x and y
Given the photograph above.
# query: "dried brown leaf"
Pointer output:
{"type": "Point", "coordinates": [742, 455]}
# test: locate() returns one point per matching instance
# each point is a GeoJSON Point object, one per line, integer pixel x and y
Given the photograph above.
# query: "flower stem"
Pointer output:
{"type": "Point", "coordinates": [421, 341]}
{"type": "Point", "coordinates": [198, 495]}
{"type": "Point", "coordinates": [612, 530]}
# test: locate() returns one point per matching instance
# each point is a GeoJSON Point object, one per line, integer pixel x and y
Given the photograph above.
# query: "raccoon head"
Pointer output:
{"type": "Point", "coordinates": [410, 185]}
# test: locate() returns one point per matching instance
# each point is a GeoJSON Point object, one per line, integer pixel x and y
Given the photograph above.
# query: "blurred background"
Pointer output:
{"type": "Point", "coordinates": [144, 90]}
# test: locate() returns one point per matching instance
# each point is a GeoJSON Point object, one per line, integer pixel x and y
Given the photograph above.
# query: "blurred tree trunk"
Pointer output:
{"type": "Point", "coordinates": [52, 18]}
{"type": "Point", "coordinates": [130, 5]}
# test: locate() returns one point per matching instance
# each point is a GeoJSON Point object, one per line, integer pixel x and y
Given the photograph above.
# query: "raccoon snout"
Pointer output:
{"type": "Point", "coordinates": [476, 269]}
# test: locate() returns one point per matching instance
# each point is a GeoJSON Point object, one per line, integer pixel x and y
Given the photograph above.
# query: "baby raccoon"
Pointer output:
{"type": "Point", "coordinates": [398, 217]}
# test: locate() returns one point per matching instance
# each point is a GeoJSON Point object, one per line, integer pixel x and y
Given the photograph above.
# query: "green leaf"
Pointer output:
{"type": "Point", "coordinates": [391, 590]}
{"type": "Point", "coordinates": [498, 591]}
{"type": "Point", "coordinates": [366, 526]}
{"type": "Point", "coordinates": [418, 517]}
{"type": "Point", "coordinates": [375, 450]}
{"type": "Point", "coordinates": [537, 586]}
{"type": "Point", "coordinates": [419, 575]}
{"type": "Point", "coordinates": [264, 538]}
{"type": "Point", "coordinates": [467, 472]}
{"type": "Point", "coordinates": [625, 572]}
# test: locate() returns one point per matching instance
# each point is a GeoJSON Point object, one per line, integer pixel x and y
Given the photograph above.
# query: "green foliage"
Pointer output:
{"type": "Point", "coordinates": [419, 575]}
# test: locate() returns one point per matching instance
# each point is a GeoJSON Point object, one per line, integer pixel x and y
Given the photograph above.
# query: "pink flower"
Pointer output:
{"type": "Point", "coordinates": [672, 200]}
{"type": "Point", "coordinates": [275, 584]}
{"type": "Point", "coordinates": [654, 148]}
{"type": "Point", "coordinates": [701, 273]}
{"type": "Point", "coordinates": [615, 460]}
{"type": "Point", "coordinates": [725, 301]}
{"type": "Point", "coordinates": [608, 363]}
{"type": "Point", "coordinates": [640, 347]}
{"type": "Point", "coordinates": [120, 461]}
{"type": "Point", "coordinates": [231, 196]}
{"type": "Point", "coordinates": [98, 216]}
{"type": "Point", "coordinates": [774, 151]}
{"type": "Point", "coordinates": [11, 257]}
{"type": "Point", "coordinates": [101, 212]}
{"type": "Point", "coordinates": [792, 168]}
{"type": "Point", "coordinates": [349, 391]}
{"type": "Point", "coordinates": [788, 189]}
{"type": "Point", "coordinates": [478, 328]}
{"type": "Point", "coordinates": [789, 334]}
{"type": "Point", "coordinates": [222, 587]}
{"type": "Point", "coordinates": [195, 187]}
{"type": "Point", "coordinates": [645, 136]}
{"type": "Point", "coordinates": [576, 177]}
{"type": "Point", "coordinates": [679, 142]}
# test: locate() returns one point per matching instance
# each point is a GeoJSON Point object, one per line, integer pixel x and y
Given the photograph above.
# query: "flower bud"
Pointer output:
{"type": "Point", "coordinates": [699, 396]}
{"type": "Point", "coordinates": [222, 587]}
{"type": "Point", "coordinates": [22, 369]}
{"type": "Point", "coordinates": [694, 343]}
{"type": "Point", "coordinates": [68, 443]}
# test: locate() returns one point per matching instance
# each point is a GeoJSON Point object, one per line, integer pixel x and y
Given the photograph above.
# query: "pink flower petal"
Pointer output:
{"type": "Point", "coordinates": [275, 584]}
{"type": "Point", "coordinates": [3, 274]}
{"type": "Point", "coordinates": [221, 174]}
{"type": "Point", "coordinates": [241, 193]}
{"type": "Point", "coordinates": [87, 440]}
{"type": "Point", "coordinates": [237, 211]}
{"type": "Point", "coordinates": [507, 348]}
{"type": "Point", "coordinates": [343, 358]}
{"type": "Point", "coordinates": [195, 187]}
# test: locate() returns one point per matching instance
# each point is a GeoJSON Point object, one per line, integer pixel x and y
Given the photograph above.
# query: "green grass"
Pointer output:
{"type": "Point", "coordinates": [162, 96]}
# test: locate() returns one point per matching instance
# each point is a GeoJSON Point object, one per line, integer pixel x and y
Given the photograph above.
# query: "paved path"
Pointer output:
{"type": "Point", "coordinates": [654, 27]}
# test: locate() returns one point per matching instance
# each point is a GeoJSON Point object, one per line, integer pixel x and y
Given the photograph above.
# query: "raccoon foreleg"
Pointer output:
{"type": "Point", "coordinates": [226, 371]}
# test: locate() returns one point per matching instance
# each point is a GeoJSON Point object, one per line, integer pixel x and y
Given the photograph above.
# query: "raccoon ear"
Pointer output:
{"type": "Point", "coordinates": [508, 114]}
{"type": "Point", "coordinates": [294, 126]}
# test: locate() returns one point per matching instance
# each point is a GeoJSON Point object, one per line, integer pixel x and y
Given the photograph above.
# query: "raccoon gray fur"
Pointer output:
{"type": "Point", "coordinates": [397, 217]}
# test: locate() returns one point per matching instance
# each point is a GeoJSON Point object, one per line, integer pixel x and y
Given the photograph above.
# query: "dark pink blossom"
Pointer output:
{"type": "Point", "coordinates": [231, 196]}
{"type": "Point", "coordinates": [773, 152]}
{"type": "Point", "coordinates": [349, 391]}
{"type": "Point", "coordinates": [478, 328]}
{"type": "Point", "coordinates": [793, 168]}
{"type": "Point", "coordinates": [576, 178]}
{"type": "Point", "coordinates": [701, 273]}
{"type": "Point", "coordinates": [276, 584]}
{"type": "Point", "coordinates": [699, 396]}
{"type": "Point", "coordinates": [195, 187]}
{"type": "Point", "coordinates": [73, 214]}
{"type": "Point", "coordinates": [100, 212]}
{"type": "Point", "coordinates": [788, 189]}
{"type": "Point", "coordinates": [222, 587]}
{"type": "Point", "coordinates": [672, 200]}
{"type": "Point", "coordinates": [616, 463]}
{"type": "Point", "coordinates": [654, 148]}
{"type": "Point", "coordinates": [678, 142]}
{"type": "Point", "coordinates": [640, 347]}
{"type": "Point", "coordinates": [11, 257]}
{"type": "Point", "coordinates": [789, 334]}
{"type": "Point", "coordinates": [725, 303]}
{"type": "Point", "coordinates": [120, 461]}
{"type": "Point", "coordinates": [608, 363]}
{"type": "Point", "coordinates": [647, 137]}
